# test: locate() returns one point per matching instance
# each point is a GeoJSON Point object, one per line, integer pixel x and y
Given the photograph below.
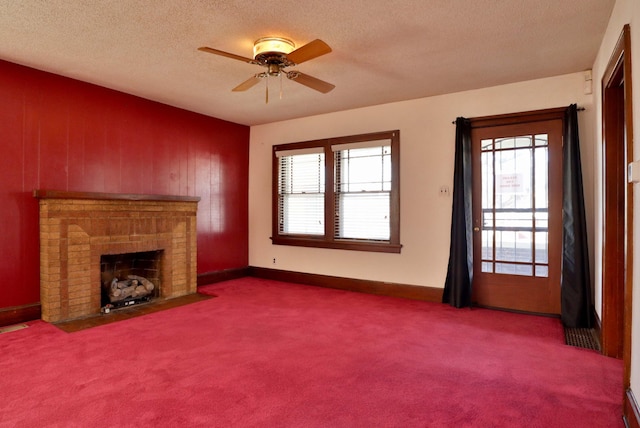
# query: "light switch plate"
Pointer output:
{"type": "Point", "coordinates": [633, 172]}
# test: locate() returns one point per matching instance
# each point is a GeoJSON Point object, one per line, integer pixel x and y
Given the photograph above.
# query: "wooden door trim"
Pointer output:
{"type": "Point", "coordinates": [613, 224]}
{"type": "Point", "coordinates": [618, 72]}
{"type": "Point", "coordinates": [518, 118]}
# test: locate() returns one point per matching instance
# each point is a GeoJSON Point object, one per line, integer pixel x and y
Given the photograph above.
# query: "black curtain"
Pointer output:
{"type": "Point", "coordinates": [575, 284]}
{"type": "Point", "coordinates": [457, 287]}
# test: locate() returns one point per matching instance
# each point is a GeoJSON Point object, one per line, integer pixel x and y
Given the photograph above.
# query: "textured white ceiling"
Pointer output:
{"type": "Point", "coordinates": [383, 50]}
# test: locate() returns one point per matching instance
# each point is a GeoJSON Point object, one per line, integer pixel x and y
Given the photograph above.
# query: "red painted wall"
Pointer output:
{"type": "Point", "coordinates": [61, 134]}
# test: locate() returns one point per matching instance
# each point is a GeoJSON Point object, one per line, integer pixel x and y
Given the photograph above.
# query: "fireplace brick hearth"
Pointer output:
{"type": "Point", "coordinates": [77, 228]}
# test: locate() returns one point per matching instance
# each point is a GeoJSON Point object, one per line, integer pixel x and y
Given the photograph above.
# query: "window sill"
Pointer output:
{"type": "Point", "coordinates": [344, 244]}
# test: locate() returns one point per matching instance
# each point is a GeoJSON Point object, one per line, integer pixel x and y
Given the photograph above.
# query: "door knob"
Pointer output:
{"type": "Point", "coordinates": [476, 229]}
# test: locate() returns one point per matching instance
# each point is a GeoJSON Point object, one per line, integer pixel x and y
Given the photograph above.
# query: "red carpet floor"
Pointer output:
{"type": "Point", "coordinates": [270, 354]}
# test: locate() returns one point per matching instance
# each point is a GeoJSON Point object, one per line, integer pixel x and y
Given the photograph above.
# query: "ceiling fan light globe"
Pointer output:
{"type": "Point", "coordinates": [272, 45]}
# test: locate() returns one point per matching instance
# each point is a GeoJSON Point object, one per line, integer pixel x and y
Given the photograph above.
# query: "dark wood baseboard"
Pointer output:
{"type": "Point", "coordinates": [414, 292]}
{"type": "Point", "coordinates": [631, 411]}
{"type": "Point", "coordinates": [18, 314]}
{"type": "Point", "coordinates": [222, 275]}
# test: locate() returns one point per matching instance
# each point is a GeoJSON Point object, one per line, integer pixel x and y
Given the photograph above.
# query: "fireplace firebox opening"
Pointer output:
{"type": "Point", "coordinates": [130, 278]}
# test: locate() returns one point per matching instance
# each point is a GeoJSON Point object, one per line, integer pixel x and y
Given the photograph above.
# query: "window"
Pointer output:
{"type": "Point", "coordinates": [362, 191]}
{"type": "Point", "coordinates": [338, 193]}
{"type": "Point", "coordinates": [301, 186]}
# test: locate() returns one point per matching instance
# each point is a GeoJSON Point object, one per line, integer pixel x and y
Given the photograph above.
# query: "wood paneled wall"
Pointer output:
{"type": "Point", "coordinates": [59, 133]}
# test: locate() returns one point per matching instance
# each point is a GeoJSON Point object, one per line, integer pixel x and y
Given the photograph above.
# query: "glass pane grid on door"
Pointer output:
{"type": "Point", "coordinates": [515, 205]}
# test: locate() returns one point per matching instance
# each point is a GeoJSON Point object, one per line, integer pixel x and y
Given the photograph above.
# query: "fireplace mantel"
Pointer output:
{"type": "Point", "coordinates": [61, 194]}
{"type": "Point", "coordinates": [76, 228]}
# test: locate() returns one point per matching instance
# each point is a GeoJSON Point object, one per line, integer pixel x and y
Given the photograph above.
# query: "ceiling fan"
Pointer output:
{"type": "Point", "coordinates": [276, 54]}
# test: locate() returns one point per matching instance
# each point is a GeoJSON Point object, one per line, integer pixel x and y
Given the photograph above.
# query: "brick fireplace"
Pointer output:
{"type": "Point", "coordinates": [77, 229]}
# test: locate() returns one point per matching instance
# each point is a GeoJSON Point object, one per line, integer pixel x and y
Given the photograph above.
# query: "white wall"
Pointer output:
{"type": "Point", "coordinates": [427, 153]}
{"type": "Point", "coordinates": [624, 12]}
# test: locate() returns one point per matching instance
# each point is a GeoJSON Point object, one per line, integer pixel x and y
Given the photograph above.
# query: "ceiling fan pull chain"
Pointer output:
{"type": "Point", "coordinates": [266, 101]}
{"type": "Point", "coordinates": [280, 85]}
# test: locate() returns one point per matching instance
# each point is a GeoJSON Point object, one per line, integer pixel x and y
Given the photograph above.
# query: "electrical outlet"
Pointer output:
{"type": "Point", "coordinates": [274, 260]}
{"type": "Point", "coordinates": [444, 190]}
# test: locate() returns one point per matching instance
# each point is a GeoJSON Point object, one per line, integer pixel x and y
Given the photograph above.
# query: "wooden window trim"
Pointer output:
{"type": "Point", "coordinates": [327, 240]}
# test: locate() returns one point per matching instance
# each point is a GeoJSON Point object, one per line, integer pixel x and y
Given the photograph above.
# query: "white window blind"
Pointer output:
{"type": "Point", "coordinates": [301, 185]}
{"type": "Point", "coordinates": [363, 190]}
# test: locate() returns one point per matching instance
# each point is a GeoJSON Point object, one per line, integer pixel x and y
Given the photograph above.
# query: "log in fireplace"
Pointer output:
{"type": "Point", "coordinates": [130, 278]}
{"type": "Point", "coordinates": [82, 234]}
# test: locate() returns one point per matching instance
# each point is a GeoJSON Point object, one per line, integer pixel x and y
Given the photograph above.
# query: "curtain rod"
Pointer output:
{"type": "Point", "coordinates": [579, 109]}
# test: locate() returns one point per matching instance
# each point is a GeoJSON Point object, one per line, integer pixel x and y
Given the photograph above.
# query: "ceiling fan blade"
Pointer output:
{"type": "Point", "coordinates": [309, 51]}
{"type": "Point", "coordinates": [310, 81]}
{"type": "Point", "coordinates": [249, 83]}
{"type": "Point", "coordinates": [227, 54]}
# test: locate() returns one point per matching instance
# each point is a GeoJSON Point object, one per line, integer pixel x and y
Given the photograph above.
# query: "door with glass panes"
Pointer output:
{"type": "Point", "coordinates": [517, 216]}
